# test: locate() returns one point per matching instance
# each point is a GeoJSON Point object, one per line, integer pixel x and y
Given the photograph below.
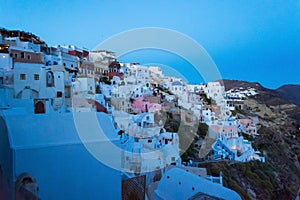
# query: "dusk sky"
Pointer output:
{"type": "Point", "coordinates": [248, 40]}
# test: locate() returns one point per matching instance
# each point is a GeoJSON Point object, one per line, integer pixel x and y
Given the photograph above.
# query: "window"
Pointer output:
{"type": "Point", "coordinates": [64, 64]}
{"type": "Point", "coordinates": [28, 57]}
{"type": "Point", "coordinates": [36, 77]}
{"type": "Point", "coordinates": [22, 55]}
{"type": "Point", "coordinates": [50, 79]}
{"type": "Point", "coordinates": [22, 76]}
{"type": "Point", "coordinates": [16, 55]}
{"type": "Point", "coordinates": [59, 94]}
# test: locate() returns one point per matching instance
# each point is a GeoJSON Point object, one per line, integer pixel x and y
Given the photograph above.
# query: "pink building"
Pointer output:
{"type": "Point", "coordinates": [144, 106]}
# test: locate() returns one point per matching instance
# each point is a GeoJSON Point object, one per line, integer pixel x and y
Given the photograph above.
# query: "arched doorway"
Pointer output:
{"type": "Point", "coordinates": [26, 187]}
{"type": "Point", "coordinates": [39, 107]}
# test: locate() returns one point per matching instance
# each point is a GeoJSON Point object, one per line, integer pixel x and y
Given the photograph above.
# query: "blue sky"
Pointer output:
{"type": "Point", "coordinates": [248, 40]}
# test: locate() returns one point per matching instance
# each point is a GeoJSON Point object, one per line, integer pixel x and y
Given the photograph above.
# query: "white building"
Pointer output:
{"type": "Point", "coordinates": [152, 152]}
{"type": "Point", "coordinates": [177, 88]}
{"type": "Point", "coordinates": [5, 62]}
{"type": "Point", "coordinates": [194, 88]}
{"type": "Point", "coordinates": [16, 42]}
{"type": "Point", "coordinates": [50, 146]}
{"type": "Point", "coordinates": [167, 82]}
{"type": "Point", "coordinates": [215, 91]}
{"type": "Point", "coordinates": [180, 184]}
{"type": "Point", "coordinates": [236, 149]}
{"type": "Point", "coordinates": [132, 91]}
{"type": "Point", "coordinates": [102, 56]}
{"type": "Point", "coordinates": [155, 72]}
{"type": "Point", "coordinates": [101, 60]}
{"type": "Point", "coordinates": [144, 119]}
{"type": "Point", "coordinates": [148, 147]}
{"type": "Point", "coordinates": [240, 93]}
{"type": "Point", "coordinates": [106, 90]}
{"type": "Point", "coordinates": [67, 60]}
{"type": "Point", "coordinates": [85, 85]}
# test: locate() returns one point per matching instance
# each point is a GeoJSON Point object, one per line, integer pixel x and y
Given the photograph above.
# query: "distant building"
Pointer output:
{"type": "Point", "coordinates": [228, 131]}
{"type": "Point", "coordinates": [215, 91]}
{"type": "Point", "coordinates": [121, 103]}
{"type": "Point", "coordinates": [114, 69]}
{"type": "Point", "coordinates": [247, 126]}
{"type": "Point", "coordinates": [87, 69]}
{"type": "Point", "coordinates": [177, 88]}
{"type": "Point", "coordinates": [102, 59]}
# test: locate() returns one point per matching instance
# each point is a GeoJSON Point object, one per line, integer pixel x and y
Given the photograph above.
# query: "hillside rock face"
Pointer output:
{"type": "Point", "coordinates": [290, 92]}
{"type": "Point", "coordinates": [279, 142]}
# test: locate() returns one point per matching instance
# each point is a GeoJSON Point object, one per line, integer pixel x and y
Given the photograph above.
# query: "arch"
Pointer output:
{"type": "Point", "coordinates": [26, 187]}
{"type": "Point", "coordinates": [23, 93]}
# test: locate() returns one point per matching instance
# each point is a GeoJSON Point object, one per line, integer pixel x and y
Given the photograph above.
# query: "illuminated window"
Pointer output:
{"type": "Point", "coordinates": [36, 77]}
{"type": "Point", "coordinates": [22, 76]}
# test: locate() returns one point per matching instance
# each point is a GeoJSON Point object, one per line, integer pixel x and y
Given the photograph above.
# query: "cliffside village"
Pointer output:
{"type": "Point", "coordinates": [133, 93]}
{"type": "Point", "coordinates": [71, 79]}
